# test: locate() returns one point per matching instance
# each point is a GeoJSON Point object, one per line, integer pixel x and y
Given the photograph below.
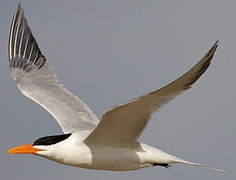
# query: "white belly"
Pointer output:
{"type": "Point", "coordinates": [95, 157]}
{"type": "Point", "coordinates": [118, 158]}
{"type": "Point", "coordinates": [108, 158]}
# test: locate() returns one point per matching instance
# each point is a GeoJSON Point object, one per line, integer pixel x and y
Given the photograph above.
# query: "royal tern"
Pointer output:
{"type": "Point", "coordinates": [108, 144]}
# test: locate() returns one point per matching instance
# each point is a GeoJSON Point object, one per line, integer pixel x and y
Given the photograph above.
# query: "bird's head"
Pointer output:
{"type": "Point", "coordinates": [41, 146]}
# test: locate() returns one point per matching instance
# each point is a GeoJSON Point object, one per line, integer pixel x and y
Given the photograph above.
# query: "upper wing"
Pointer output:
{"type": "Point", "coordinates": [127, 121]}
{"type": "Point", "coordinates": [36, 79]}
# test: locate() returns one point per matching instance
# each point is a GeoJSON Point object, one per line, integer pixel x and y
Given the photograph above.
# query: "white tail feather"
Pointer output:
{"type": "Point", "coordinates": [202, 165]}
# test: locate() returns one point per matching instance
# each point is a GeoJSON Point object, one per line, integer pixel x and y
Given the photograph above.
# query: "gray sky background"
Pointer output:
{"type": "Point", "coordinates": [110, 51]}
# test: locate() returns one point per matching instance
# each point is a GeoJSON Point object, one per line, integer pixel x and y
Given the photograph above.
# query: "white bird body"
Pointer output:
{"type": "Point", "coordinates": [120, 157]}
{"type": "Point", "coordinates": [108, 144]}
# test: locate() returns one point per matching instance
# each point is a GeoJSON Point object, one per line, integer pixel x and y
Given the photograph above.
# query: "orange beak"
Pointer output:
{"type": "Point", "coordinates": [25, 149]}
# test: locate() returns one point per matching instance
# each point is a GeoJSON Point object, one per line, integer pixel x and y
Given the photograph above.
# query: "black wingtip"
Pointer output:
{"type": "Point", "coordinates": [18, 7]}
{"type": "Point", "coordinates": [216, 43]}
{"type": "Point", "coordinates": [19, 4]}
{"type": "Point", "coordinates": [23, 48]}
{"type": "Point", "coordinates": [211, 52]}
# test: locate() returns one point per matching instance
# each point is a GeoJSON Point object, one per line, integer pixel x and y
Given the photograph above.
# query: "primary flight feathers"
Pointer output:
{"type": "Point", "coordinates": [36, 79]}
{"type": "Point", "coordinates": [126, 121]}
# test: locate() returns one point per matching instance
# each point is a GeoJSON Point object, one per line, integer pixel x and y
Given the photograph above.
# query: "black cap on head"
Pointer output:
{"type": "Point", "coordinates": [49, 140]}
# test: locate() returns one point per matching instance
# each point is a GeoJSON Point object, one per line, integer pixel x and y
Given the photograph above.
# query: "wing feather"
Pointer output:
{"type": "Point", "coordinates": [126, 122]}
{"type": "Point", "coordinates": [36, 79]}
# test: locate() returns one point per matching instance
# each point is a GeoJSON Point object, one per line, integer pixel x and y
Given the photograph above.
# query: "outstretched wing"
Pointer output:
{"type": "Point", "coordinates": [126, 122]}
{"type": "Point", "coordinates": [36, 80]}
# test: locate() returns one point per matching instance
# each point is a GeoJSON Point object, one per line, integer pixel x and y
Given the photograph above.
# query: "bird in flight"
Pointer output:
{"type": "Point", "coordinates": [109, 144]}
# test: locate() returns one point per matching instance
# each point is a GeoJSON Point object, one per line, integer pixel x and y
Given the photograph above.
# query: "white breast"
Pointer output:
{"type": "Point", "coordinates": [71, 152]}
